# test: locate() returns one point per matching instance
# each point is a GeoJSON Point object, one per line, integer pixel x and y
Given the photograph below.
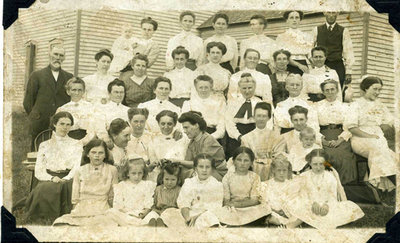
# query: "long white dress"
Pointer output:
{"type": "Point", "coordinates": [322, 188]}
{"type": "Point", "coordinates": [277, 194]}
{"type": "Point", "coordinates": [203, 198]}
{"type": "Point", "coordinates": [130, 199]}
{"type": "Point", "coordinates": [368, 116]}
{"type": "Point", "coordinates": [91, 190]}
{"type": "Point", "coordinates": [240, 187]}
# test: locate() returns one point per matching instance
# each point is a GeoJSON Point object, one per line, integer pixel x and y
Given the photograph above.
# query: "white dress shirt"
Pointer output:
{"type": "Point", "coordinates": [263, 142]}
{"type": "Point", "coordinates": [155, 106]}
{"type": "Point", "coordinates": [316, 76]}
{"type": "Point", "coordinates": [182, 82]}
{"type": "Point", "coordinates": [166, 147]}
{"type": "Point", "coordinates": [232, 109]}
{"type": "Point", "coordinates": [118, 154]}
{"type": "Point", "coordinates": [55, 74]}
{"type": "Point", "coordinates": [213, 111]}
{"type": "Point", "coordinates": [106, 113]}
{"type": "Point", "coordinates": [263, 44]}
{"type": "Point", "coordinates": [232, 52]}
{"type": "Point", "coordinates": [140, 145]}
{"type": "Point", "coordinates": [297, 42]}
{"type": "Point", "coordinates": [263, 85]}
{"type": "Point", "coordinates": [82, 112]}
{"type": "Point", "coordinates": [348, 53]}
{"type": "Point", "coordinates": [282, 117]}
{"type": "Point", "coordinates": [56, 154]}
{"type": "Point", "coordinates": [333, 113]}
{"type": "Point", "coordinates": [190, 41]}
{"type": "Point", "coordinates": [96, 87]}
{"type": "Point", "coordinates": [200, 196]}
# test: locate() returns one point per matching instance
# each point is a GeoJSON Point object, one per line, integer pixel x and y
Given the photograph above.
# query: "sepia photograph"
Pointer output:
{"type": "Point", "coordinates": [152, 121]}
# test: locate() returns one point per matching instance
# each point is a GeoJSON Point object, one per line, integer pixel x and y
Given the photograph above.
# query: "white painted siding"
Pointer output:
{"type": "Point", "coordinates": [99, 29]}
{"type": "Point", "coordinates": [380, 45]}
{"type": "Point", "coordinates": [40, 27]}
{"type": "Point", "coordinates": [380, 60]}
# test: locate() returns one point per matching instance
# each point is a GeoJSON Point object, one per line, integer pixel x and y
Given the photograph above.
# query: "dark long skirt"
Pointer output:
{"type": "Point", "coordinates": [342, 158]}
{"type": "Point", "coordinates": [49, 200]}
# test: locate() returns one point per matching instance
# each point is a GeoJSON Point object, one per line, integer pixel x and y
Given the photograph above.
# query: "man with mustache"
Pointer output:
{"type": "Point", "coordinates": [45, 92]}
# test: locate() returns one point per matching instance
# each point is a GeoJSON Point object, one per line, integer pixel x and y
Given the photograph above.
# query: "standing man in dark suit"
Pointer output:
{"type": "Point", "coordinates": [336, 39]}
{"type": "Point", "coordinates": [45, 92]}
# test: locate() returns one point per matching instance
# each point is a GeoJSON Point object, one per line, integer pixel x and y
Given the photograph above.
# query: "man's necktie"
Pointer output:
{"type": "Point", "coordinates": [246, 107]}
{"type": "Point", "coordinates": [330, 27]}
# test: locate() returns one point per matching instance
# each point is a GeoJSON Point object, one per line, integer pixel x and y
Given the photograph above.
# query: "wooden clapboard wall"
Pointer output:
{"type": "Point", "coordinates": [99, 29]}
{"type": "Point", "coordinates": [378, 46]}
{"type": "Point", "coordinates": [380, 58]}
{"type": "Point", "coordinates": [40, 27]}
{"type": "Point", "coordinates": [84, 33]}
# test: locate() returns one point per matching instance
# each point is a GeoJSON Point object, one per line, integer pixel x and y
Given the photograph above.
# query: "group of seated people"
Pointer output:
{"type": "Point", "coordinates": [206, 147]}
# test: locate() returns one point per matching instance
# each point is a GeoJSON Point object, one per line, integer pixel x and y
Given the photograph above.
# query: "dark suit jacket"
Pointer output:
{"type": "Point", "coordinates": [43, 96]}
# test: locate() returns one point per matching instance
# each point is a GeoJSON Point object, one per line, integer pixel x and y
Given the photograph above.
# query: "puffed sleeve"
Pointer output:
{"type": "Point", "coordinates": [149, 193]}
{"type": "Point", "coordinates": [76, 157]}
{"type": "Point", "coordinates": [185, 196]}
{"type": "Point", "coordinates": [40, 166]}
{"type": "Point", "coordinates": [351, 119]}
{"type": "Point", "coordinates": [76, 186]}
{"type": "Point", "coordinates": [226, 187]}
{"type": "Point", "coordinates": [169, 61]}
{"type": "Point", "coordinates": [255, 191]}
{"type": "Point", "coordinates": [153, 53]}
{"type": "Point", "coordinates": [119, 198]}
{"type": "Point", "coordinates": [230, 125]}
{"type": "Point", "coordinates": [114, 181]}
{"type": "Point", "coordinates": [387, 116]}
{"type": "Point", "coordinates": [217, 195]}
{"type": "Point", "coordinates": [155, 199]}
{"type": "Point", "coordinates": [213, 148]}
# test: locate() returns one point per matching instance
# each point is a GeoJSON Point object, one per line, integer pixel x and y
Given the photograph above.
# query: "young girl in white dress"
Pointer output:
{"type": "Point", "coordinates": [321, 201]}
{"type": "Point", "coordinates": [200, 197]}
{"type": "Point", "coordinates": [133, 197]}
{"type": "Point", "coordinates": [278, 189]}
{"type": "Point", "coordinates": [242, 192]}
{"type": "Point", "coordinates": [297, 154]}
{"type": "Point", "coordinates": [166, 194]}
{"type": "Point", "coordinates": [92, 188]}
